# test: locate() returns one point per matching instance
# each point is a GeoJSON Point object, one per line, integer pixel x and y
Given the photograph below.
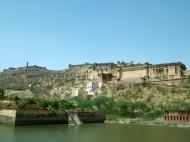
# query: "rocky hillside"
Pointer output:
{"type": "Point", "coordinates": [152, 95]}
{"type": "Point", "coordinates": [38, 80]}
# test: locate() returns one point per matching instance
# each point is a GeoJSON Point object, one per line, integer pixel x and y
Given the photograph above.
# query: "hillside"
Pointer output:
{"type": "Point", "coordinates": [38, 80]}
{"type": "Point", "coordinates": [144, 99]}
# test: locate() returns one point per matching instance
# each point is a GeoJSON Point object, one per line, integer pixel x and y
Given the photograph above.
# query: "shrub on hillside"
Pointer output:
{"type": "Point", "coordinates": [146, 84]}
{"type": "Point", "coordinates": [2, 94]}
{"type": "Point", "coordinates": [43, 103]}
{"type": "Point", "coordinates": [22, 103]}
{"type": "Point", "coordinates": [66, 104]}
{"type": "Point", "coordinates": [83, 103]}
{"type": "Point", "coordinates": [134, 109]}
{"type": "Point", "coordinates": [15, 98]}
{"type": "Point", "coordinates": [107, 104]}
{"type": "Point", "coordinates": [153, 115]}
{"type": "Point", "coordinates": [54, 104]}
{"type": "Point", "coordinates": [179, 105]}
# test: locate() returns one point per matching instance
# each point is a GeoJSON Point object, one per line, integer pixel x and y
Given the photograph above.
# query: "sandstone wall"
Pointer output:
{"type": "Point", "coordinates": [166, 72]}
{"type": "Point", "coordinates": [187, 73]}
{"type": "Point", "coordinates": [133, 74]}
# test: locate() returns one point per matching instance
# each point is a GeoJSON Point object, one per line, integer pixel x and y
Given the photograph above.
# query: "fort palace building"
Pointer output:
{"type": "Point", "coordinates": [131, 72]}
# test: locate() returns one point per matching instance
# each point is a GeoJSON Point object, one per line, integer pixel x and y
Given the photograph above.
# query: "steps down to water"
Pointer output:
{"type": "Point", "coordinates": [74, 119]}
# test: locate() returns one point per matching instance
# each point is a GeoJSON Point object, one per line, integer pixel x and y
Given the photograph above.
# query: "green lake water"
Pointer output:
{"type": "Point", "coordinates": [93, 133]}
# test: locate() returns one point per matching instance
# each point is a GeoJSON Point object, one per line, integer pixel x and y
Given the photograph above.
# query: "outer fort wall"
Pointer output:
{"type": "Point", "coordinates": [133, 74]}
{"type": "Point", "coordinates": [126, 72]}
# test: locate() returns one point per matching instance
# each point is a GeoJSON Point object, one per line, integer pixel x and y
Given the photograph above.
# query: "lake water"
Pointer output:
{"type": "Point", "coordinates": [93, 133]}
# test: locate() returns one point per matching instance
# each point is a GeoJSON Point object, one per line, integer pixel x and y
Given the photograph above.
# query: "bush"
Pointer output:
{"type": "Point", "coordinates": [174, 90]}
{"type": "Point", "coordinates": [188, 93]}
{"type": "Point", "coordinates": [66, 105]}
{"type": "Point", "coordinates": [22, 103]}
{"type": "Point", "coordinates": [31, 101]}
{"type": "Point", "coordinates": [16, 98]}
{"type": "Point", "coordinates": [146, 84]}
{"type": "Point", "coordinates": [179, 105]}
{"type": "Point", "coordinates": [153, 115]}
{"type": "Point", "coordinates": [107, 104]}
{"type": "Point", "coordinates": [44, 103]}
{"type": "Point", "coordinates": [54, 104]}
{"type": "Point", "coordinates": [2, 94]}
{"type": "Point", "coordinates": [134, 109]}
{"type": "Point", "coordinates": [83, 103]}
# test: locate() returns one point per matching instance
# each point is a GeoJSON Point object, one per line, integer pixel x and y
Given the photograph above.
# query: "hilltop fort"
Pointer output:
{"type": "Point", "coordinates": [131, 72]}
{"type": "Point", "coordinates": [88, 79]}
{"type": "Point", "coordinates": [136, 90]}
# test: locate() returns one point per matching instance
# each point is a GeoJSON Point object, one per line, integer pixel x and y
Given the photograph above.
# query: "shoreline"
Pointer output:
{"type": "Point", "coordinates": [159, 122]}
{"type": "Point", "coordinates": [32, 117]}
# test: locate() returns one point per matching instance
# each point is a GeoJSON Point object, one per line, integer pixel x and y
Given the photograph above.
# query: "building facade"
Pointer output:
{"type": "Point", "coordinates": [106, 72]}
{"type": "Point", "coordinates": [91, 86]}
{"type": "Point", "coordinates": [167, 71]}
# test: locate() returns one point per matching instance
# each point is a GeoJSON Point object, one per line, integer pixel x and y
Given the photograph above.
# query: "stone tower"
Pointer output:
{"type": "Point", "coordinates": [27, 64]}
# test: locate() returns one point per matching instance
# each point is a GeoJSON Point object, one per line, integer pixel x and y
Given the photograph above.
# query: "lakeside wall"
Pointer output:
{"type": "Point", "coordinates": [28, 117]}
{"type": "Point", "coordinates": [14, 117]}
{"type": "Point", "coordinates": [97, 117]}
{"type": "Point", "coordinates": [7, 116]}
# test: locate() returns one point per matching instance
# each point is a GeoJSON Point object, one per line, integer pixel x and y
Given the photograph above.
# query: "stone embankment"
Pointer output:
{"type": "Point", "coordinates": [14, 117]}
{"type": "Point", "coordinates": [159, 122]}
{"type": "Point", "coordinates": [7, 116]}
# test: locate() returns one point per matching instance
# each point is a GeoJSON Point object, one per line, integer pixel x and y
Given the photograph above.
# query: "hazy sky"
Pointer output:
{"type": "Point", "coordinates": [55, 33]}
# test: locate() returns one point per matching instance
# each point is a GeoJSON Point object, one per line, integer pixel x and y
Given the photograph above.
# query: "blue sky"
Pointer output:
{"type": "Point", "coordinates": [55, 33]}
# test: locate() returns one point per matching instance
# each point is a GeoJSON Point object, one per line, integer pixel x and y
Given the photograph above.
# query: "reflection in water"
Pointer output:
{"type": "Point", "coordinates": [93, 133]}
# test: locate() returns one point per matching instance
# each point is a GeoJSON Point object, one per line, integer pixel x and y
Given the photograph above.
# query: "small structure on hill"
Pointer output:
{"type": "Point", "coordinates": [91, 86]}
{"type": "Point", "coordinates": [177, 115]}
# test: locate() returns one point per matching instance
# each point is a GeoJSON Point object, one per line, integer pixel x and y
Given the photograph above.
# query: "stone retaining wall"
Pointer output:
{"type": "Point", "coordinates": [8, 116]}
{"type": "Point", "coordinates": [14, 117]}
{"type": "Point", "coordinates": [94, 117]}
